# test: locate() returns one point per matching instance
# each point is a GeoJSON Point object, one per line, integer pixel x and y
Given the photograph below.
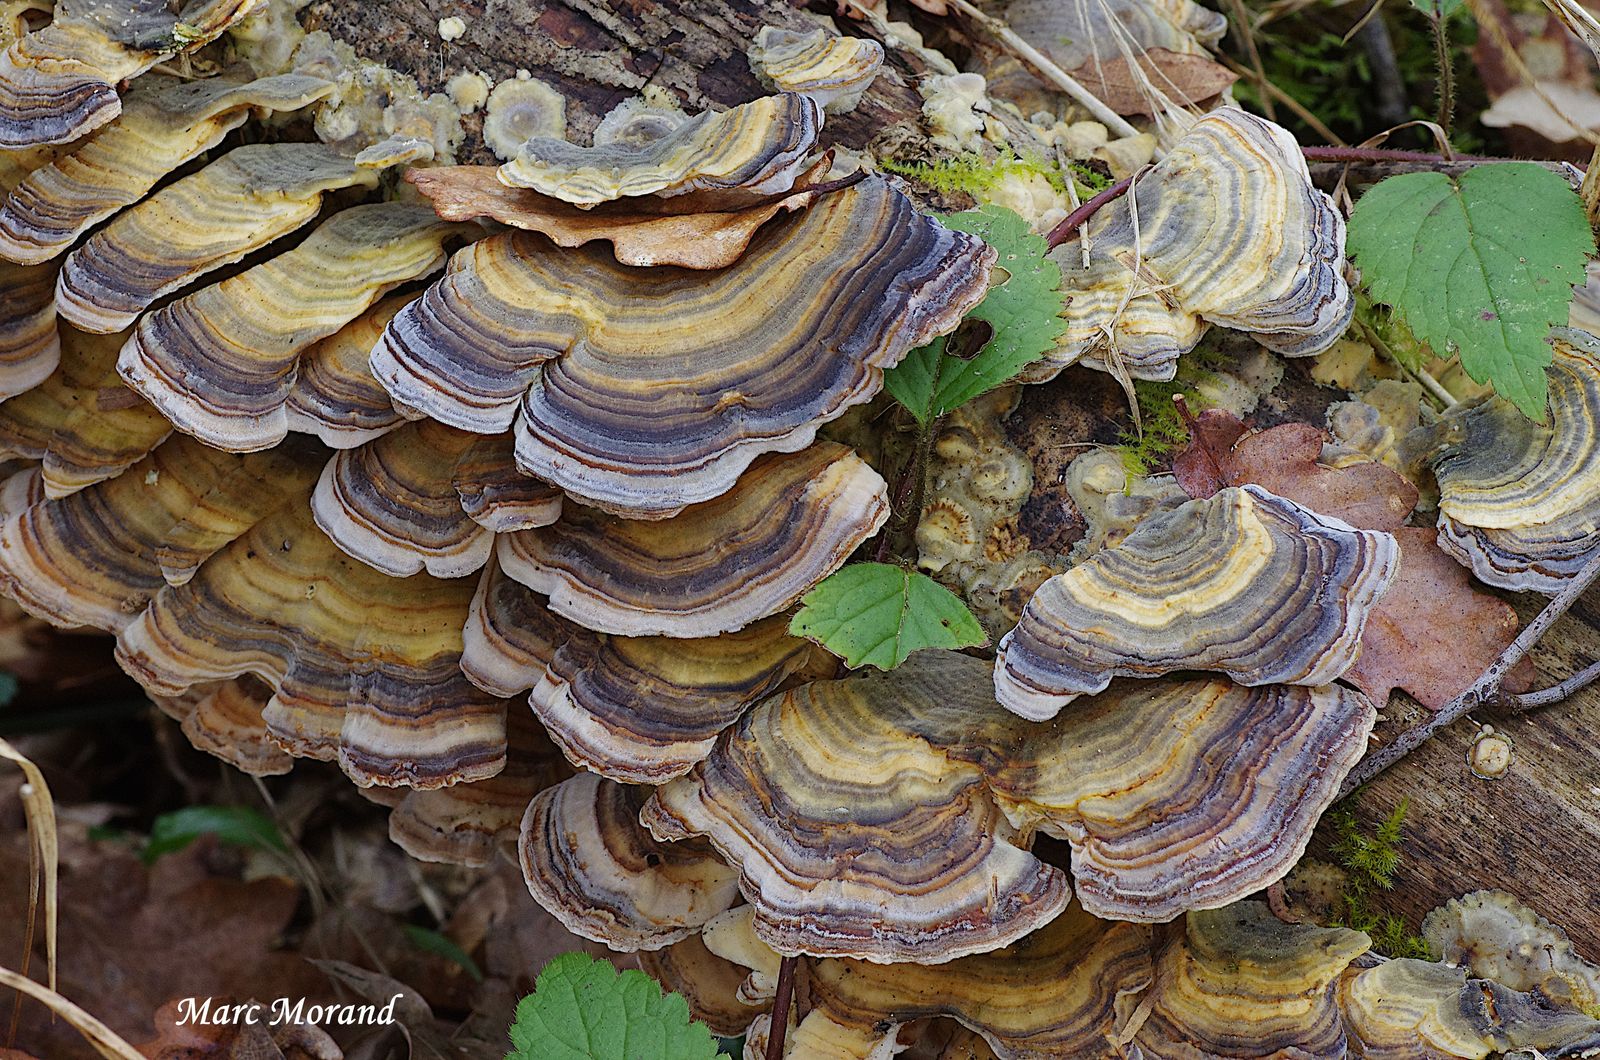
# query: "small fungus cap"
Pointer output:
{"type": "Point", "coordinates": [1243, 582]}
{"type": "Point", "coordinates": [745, 152]}
{"type": "Point", "coordinates": [834, 71]}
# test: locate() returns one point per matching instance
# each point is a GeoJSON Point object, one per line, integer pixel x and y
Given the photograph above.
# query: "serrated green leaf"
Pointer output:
{"type": "Point", "coordinates": [877, 614]}
{"type": "Point", "coordinates": [239, 825]}
{"type": "Point", "coordinates": [584, 1009]}
{"type": "Point", "coordinates": [1024, 310]}
{"type": "Point", "coordinates": [1482, 264]}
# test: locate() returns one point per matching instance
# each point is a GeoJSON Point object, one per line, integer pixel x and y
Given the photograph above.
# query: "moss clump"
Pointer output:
{"type": "Point", "coordinates": [1370, 863]}
{"type": "Point", "coordinates": [973, 174]}
{"type": "Point", "coordinates": [1161, 430]}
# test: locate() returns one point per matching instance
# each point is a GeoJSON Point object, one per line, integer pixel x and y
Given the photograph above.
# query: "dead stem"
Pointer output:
{"type": "Point", "coordinates": [1486, 690]}
{"type": "Point", "coordinates": [779, 1028]}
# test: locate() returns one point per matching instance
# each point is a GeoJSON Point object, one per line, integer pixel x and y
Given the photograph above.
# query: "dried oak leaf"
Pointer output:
{"type": "Point", "coordinates": [1184, 79]}
{"type": "Point", "coordinates": [1224, 453]}
{"type": "Point", "coordinates": [1433, 633]}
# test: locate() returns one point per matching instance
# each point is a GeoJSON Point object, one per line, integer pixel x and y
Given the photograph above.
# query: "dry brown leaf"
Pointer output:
{"type": "Point", "coordinates": [1184, 79]}
{"type": "Point", "coordinates": [690, 240]}
{"type": "Point", "coordinates": [1283, 459]}
{"type": "Point", "coordinates": [236, 1041]}
{"type": "Point", "coordinates": [1434, 632]}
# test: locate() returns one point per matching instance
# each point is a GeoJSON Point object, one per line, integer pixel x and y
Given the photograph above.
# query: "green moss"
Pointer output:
{"type": "Point", "coordinates": [974, 175]}
{"type": "Point", "coordinates": [1162, 431]}
{"type": "Point", "coordinates": [1371, 863]}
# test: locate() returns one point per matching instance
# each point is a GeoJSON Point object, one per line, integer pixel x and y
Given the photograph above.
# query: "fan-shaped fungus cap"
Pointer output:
{"type": "Point", "coordinates": [1242, 983]}
{"type": "Point", "coordinates": [716, 567]}
{"type": "Point", "coordinates": [1519, 502]}
{"type": "Point", "coordinates": [856, 835]}
{"type": "Point", "coordinates": [345, 648]}
{"type": "Point", "coordinates": [465, 824]}
{"type": "Point", "coordinates": [220, 363]}
{"type": "Point", "coordinates": [645, 709]}
{"type": "Point", "coordinates": [637, 121]}
{"type": "Point", "coordinates": [97, 557]}
{"type": "Point", "coordinates": [225, 720]}
{"type": "Point", "coordinates": [1062, 991]}
{"type": "Point", "coordinates": [1409, 1009]}
{"type": "Point", "coordinates": [400, 503]}
{"type": "Point", "coordinates": [30, 348]}
{"type": "Point", "coordinates": [726, 158]}
{"type": "Point", "coordinates": [1068, 32]}
{"type": "Point", "coordinates": [640, 417]}
{"type": "Point", "coordinates": [589, 862]}
{"type": "Point", "coordinates": [236, 205]}
{"type": "Point", "coordinates": [510, 635]}
{"type": "Point", "coordinates": [1244, 582]}
{"type": "Point", "coordinates": [1182, 794]}
{"type": "Point", "coordinates": [699, 240]}
{"type": "Point", "coordinates": [82, 423]}
{"type": "Point", "coordinates": [732, 936]}
{"type": "Point", "coordinates": [520, 109]}
{"type": "Point", "coordinates": [708, 982]}
{"type": "Point", "coordinates": [1499, 938]}
{"type": "Point", "coordinates": [834, 71]}
{"type": "Point", "coordinates": [60, 82]}
{"type": "Point", "coordinates": [1231, 232]}
{"type": "Point", "coordinates": [164, 123]}
{"type": "Point", "coordinates": [335, 395]}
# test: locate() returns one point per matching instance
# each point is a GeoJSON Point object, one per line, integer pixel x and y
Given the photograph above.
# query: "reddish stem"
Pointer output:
{"type": "Point", "coordinates": [1069, 225]}
{"type": "Point", "coordinates": [780, 1009]}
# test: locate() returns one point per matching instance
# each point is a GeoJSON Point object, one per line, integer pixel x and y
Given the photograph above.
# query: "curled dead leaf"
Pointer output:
{"type": "Point", "coordinates": [1131, 86]}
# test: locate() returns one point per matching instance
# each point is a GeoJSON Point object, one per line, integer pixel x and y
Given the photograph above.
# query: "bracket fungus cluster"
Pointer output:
{"type": "Point", "coordinates": [1226, 230]}
{"type": "Point", "coordinates": [1518, 499]}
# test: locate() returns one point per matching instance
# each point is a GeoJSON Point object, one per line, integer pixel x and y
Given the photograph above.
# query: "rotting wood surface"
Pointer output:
{"type": "Point", "coordinates": [1535, 832]}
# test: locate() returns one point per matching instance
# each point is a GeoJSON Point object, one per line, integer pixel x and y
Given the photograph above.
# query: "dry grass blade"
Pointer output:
{"type": "Point", "coordinates": [105, 1040]}
{"type": "Point", "coordinates": [43, 859]}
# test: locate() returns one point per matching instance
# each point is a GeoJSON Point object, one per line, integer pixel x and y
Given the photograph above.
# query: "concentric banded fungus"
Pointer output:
{"type": "Point", "coordinates": [225, 720]}
{"type": "Point", "coordinates": [335, 395]}
{"type": "Point", "coordinates": [1519, 502]}
{"type": "Point", "coordinates": [465, 824]}
{"type": "Point", "coordinates": [82, 422]}
{"type": "Point", "coordinates": [646, 709]}
{"type": "Point", "coordinates": [588, 861]}
{"type": "Point", "coordinates": [398, 504]}
{"type": "Point", "coordinates": [346, 650]}
{"type": "Point", "coordinates": [238, 204]}
{"type": "Point", "coordinates": [1413, 1010]}
{"type": "Point", "coordinates": [1063, 991]}
{"type": "Point", "coordinates": [220, 363]}
{"type": "Point", "coordinates": [641, 418]}
{"type": "Point", "coordinates": [1243, 582]}
{"type": "Point", "coordinates": [1229, 232]}
{"type": "Point", "coordinates": [164, 123]}
{"type": "Point", "coordinates": [856, 836]}
{"type": "Point", "coordinates": [1180, 794]}
{"type": "Point", "coordinates": [698, 240]}
{"type": "Point", "coordinates": [1251, 770]}
{"type": "Point", "coordinates": [1499, 938]}
{"type": "Point", "coordinates": [1241, 984]}
{"type": "Point", "coordinates": [96, 558]}
{"type": "Point", "coordinates": [717, 567]}
{"type": "Point", "coordinates": [30, 349]}
{"type": "Point", "coordinates": [1069, 33]}
{"type": "Point", "coordinates": [834, 71]}
{"type": "Point", "coordinates": [727, 159]}
{"type": "Point", "coordinates": [59, 83]}
{"type": "Point", "coordinates": [510, 635]}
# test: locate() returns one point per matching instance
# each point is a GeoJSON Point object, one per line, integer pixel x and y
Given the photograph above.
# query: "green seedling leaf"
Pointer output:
{"type": "Point", "coordinates": [1440, 9]}
{"type": "Point", "coordinates": [1482, 264]}
{"type": "Point", "coordinates": [231, 824]}
{"type": "Point", "coordinates": [877, 614]}
{"type": "Point", "coordinates": [584, 1009]}
{"type": "Point", "coordinates": [1023, 308]}
{"type": "Point", "coordinates": [433, 942]}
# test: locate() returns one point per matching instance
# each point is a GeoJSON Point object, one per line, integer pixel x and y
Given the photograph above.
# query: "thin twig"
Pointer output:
{"type": "Point", "coordinates": [779, 1028]}
{"type": "Point", "coordinates": [1555, 693]}
{"type": "Point", "coordinates": [1069, 225]}
{"type": "Point", "coordinates": [1483, 691]}
{"type": "Point", "coordinates": [1283, 97]}
{"type": "Point", "coordinates": [1049, 70]}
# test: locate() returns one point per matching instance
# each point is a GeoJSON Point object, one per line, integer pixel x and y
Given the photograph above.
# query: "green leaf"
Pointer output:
{"type": "Point", "coordinates": [1024, 311]}
{"type": "Point", "coordinates": [583, 1009]}
{"type": "Point", "coordinates": [8, 688]}
{"type": "Point", "coordinates": [232, 824]}
{"type": "Point", "coordinates": [1437, 8]}
{"type": "Point", "coordinates": [1482, 264]}
{"type": "Point", "coordinates": [432, 942]}
{"type": "Point", "coordinates": [877, 614]}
